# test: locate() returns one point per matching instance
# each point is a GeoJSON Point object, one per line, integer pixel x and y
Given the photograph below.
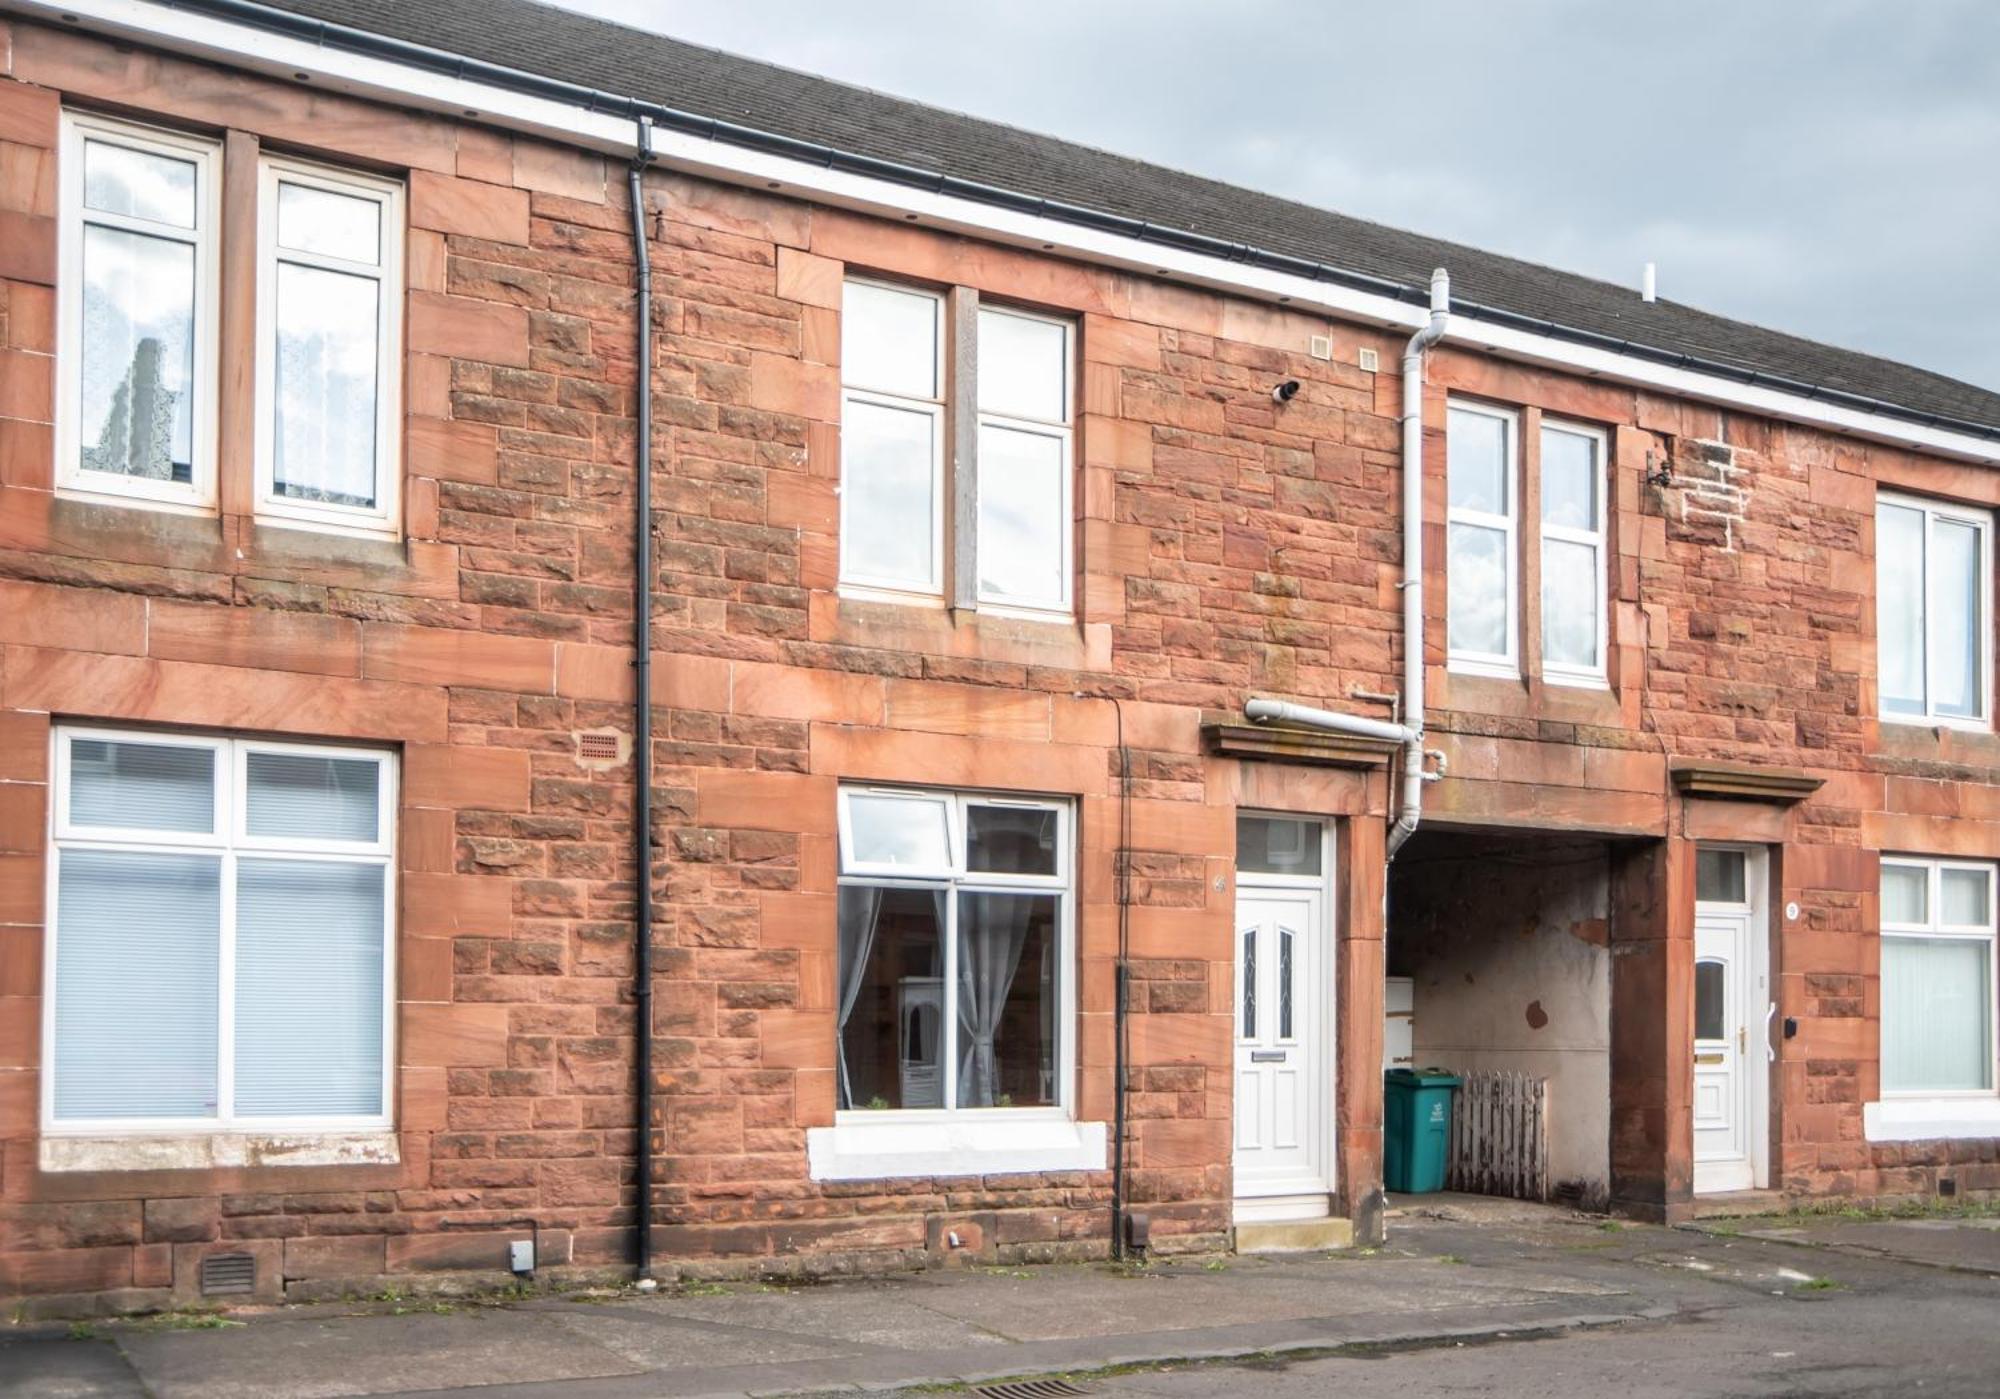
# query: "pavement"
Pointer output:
{"type": "Point", "coordinates": [1468, 1297]}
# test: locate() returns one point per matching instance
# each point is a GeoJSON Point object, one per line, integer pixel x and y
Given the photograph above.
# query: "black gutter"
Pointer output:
{"type": "Point", "coordinates": [447, 64]}
{"type": "Point", "coordinates": [642, 708]}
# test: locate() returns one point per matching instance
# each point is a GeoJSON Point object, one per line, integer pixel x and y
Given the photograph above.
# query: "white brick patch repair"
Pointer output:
{"type": "Point", "coordinates": [1714, 488]}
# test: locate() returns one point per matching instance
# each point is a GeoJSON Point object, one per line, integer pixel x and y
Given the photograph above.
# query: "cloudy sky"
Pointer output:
{"type": "Point", "coordinates": [1828, 167]}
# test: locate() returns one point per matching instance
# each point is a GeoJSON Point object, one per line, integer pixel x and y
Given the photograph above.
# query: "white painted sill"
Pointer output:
{"type": "Point", "coordinates": [974, 1144]}
{"type": "Point", "coordinates": [1930, 1119]}
{"type": "Point", "coordinates": [207, 1151]}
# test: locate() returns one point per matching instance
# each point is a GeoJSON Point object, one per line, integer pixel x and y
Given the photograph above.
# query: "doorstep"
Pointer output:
{"type": "Point", "coordinates": [1294, 1236]}
{"type": "Point", "coordinates": [1735, 1204]}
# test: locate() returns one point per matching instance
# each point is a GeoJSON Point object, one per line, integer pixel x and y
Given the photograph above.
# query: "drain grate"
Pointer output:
{"type": "Point", "coordinates": [225, 1273]}
{"type": "Point", "coordinates": [1030, 1389]}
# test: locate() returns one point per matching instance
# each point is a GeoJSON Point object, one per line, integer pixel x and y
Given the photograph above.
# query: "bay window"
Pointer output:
{"type": "Point", "coordinates": [220, 931]}
{"type": "Point", "coordinates": [1938, 990]}
{"type": "Point", "coordinates": [1933, 573]}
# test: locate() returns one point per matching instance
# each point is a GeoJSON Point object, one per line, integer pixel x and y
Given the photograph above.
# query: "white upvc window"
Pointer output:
{"type": "Point", "coordinates": [1573, 555]}
{"type": "Point", "coordinates": [221, 936]}
{"type": "Point", "coordinates": [329, 337]}
{"type": "Point", "coordinates": [1933, 576]}
{"type": "Point", "coordinates": [892, 486]}
{"type": "Point", "coordinates": [1482, 572]}
{"type": "Point", "coordinates": [136, 336]}
{"type": "Point", "coordinates": [1026, 374]}
{"type": "Point", "coordinates": [1938, 988]}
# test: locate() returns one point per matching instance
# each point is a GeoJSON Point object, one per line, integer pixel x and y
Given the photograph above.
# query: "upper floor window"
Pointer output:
{"type": "Point", "coordinates": [220, 934]}
{"type": "Point", "coordinates": [997, 531]}
{"type": "Point", "coordinates": [136, 406]}
{"type": "Point", "coordinates": [1482, 562]}
{"type": "Point", "coordinates": [1934, 571]}
{"type": "Point", "coordinates": [328, 297]}
{"type": "Point", "coordinates": [1573, 572]}
{"type": "Point", "coordinates": [1938, 991]}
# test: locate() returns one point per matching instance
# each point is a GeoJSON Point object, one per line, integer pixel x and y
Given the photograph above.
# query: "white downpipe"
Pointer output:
{"type": "Point", "coordinates": [1413, 559]}
{"type": "Point", "coordinates": [1265, 711]}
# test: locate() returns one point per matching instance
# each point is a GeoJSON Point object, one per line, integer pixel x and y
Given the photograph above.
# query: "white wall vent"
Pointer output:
{"type": "Point", "coordinates": [1368, 359]}
{"type": "Point", "coordinates": [1321, 347]}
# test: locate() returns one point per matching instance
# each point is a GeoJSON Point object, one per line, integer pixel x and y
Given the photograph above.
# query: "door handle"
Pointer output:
{"type": "Point", "coordinates": [1770, 1054]}
{"type": "Point", "coordinates": [1742, 1039]}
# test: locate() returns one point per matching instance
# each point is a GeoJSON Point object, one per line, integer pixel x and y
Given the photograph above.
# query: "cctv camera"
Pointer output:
{"type": "Point", "coordinates": [1286, 391]}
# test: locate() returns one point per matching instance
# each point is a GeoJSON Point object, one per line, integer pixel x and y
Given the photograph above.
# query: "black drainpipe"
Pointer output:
{"type": "Point", "coordinates": [642, 710]}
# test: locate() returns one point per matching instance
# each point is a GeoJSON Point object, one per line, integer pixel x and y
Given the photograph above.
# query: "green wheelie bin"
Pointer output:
{"type": "Point", "coordinates": [1416, 1129]}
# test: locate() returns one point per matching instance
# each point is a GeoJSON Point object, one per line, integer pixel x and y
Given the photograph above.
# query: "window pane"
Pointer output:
{"type": "Point", "coordinates": [1285, 940]}
{"type": "Point", "coordinates": [1957, 618]}
{"type": "Point", "coordinates": [889, 830]}
{"type": "Point", "coordinates": [888, 484]}
{"type": "Point", "coordinates": [1899, 607]}
{"type": "Point", "coordinates": [1247, 979]}
{"type": "Point", "coordinates": [326, 385]}
{"type": "Point", "coordinates": [1011, 840]}
{"type": "Point", "coordinates": [1021, 509]}
{"type": "Point", "coordinates": [142, 184]}
{"type": "Point", "coordinates": [137, 357]}
{"type": "Point", "coordinates": [1719, 877]}
{"type": "Point", "coordinates": [1962, 899]}
{"type": "Point", "coordinates": [138, 942]}
{"type": "Point", "coordinates": [1023, 369]}
{"type": "Point", "coordinates": [308, 989]}
{"type": "Point", "coordinates": [1275, 845]}
{"type": "Point", "coordinates": [1569, 603]}
{"type": "Point", "coordinates": [1569, 479]}
{"type": "Point", "coordinates": [141, 786]}
{"type": "Point", "coordinates": [1477, 586]}
{"type": "Point", "coordinates": [1905, 894]}
{"type": "Point", "coordinates": [296, 795]}
{"type": "Point", "coordinates": [1476, 462]}
{"type": "Point", "coordinates": [891, 998]}
{"type": "Point", "coordinates": [1007, 1000]}
{"type": "Point", "coordinates": [1709, 1012]}
{"type": "Point", "coordinates": [1936, 1014]}
{"type": "Point", "coordinates": [321, 221]}
{"type": "Point", "coordinates": [888, 340]}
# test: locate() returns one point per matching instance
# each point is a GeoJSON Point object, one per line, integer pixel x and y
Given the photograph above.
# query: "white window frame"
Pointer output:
{"type": "Point", "coordinates": [1982, 521]}
{"type": "Point", "coordinates": [384, 517]}
{"type": "Point", "coordinates": [855, 581]}
{"type": "Point", "coordinates": [1560, 672]}
{"type": "Point", "coordinates": [1932, 930]}
{"type": "Point", "coordinates": [1062, 603]}
{"type": "Point", "coordinates": [199, 494]}
{"type": "Point", "coordinates": [1502, 665]}
{"type": "Point", "coordinates": [229, 836]}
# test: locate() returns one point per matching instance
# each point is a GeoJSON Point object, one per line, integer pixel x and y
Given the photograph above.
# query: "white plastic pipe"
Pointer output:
{"type": "Point", "coordinates": [1412, 808]}
{"type": "Point", "coordinates": [1265, 711]}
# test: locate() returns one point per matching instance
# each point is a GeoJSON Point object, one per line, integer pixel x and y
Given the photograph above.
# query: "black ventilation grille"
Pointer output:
{"type": "Point", "coordinates": [223, 1274]}
{"type": "Point", "coordinates": [1030, 1389]}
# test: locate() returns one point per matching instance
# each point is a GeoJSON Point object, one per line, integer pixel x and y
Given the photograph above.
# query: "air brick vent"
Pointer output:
{"type": "Point", "coordinates": [224, 1274]}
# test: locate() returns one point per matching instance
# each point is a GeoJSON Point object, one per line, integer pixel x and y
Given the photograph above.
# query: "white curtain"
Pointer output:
{"type": "Point", "coordinates": [1936, 1025]}
{"type": "Point", "coordinates": [993, 931]}
{"type": "Point", "coordinates": [860, 911]}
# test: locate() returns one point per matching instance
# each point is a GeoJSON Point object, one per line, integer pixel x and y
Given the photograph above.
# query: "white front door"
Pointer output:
{"type": "Point", "coordinates": [1283, 1099]}
{"type": "Point", "coordinates": [1731, 1001]}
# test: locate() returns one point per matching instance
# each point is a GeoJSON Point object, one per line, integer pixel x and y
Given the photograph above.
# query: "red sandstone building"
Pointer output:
{"type": "Point", "coordinates": [992, 482]}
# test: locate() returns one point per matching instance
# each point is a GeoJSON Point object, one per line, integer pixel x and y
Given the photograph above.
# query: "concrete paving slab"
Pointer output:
{"type": "Point", "coordinates": [894, 1312]}
{"type": "Point", "coordinates": [655, 1341]}
{"type": "Point", "coordinates": [82, 1369]}
{"type": "Point", "coordinates": [1965, 1244]}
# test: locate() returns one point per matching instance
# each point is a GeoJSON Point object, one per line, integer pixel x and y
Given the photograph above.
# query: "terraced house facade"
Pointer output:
{"type": "Point", "coordinates": [1060, 726]}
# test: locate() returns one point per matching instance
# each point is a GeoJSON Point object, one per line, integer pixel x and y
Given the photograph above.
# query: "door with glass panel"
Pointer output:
{"type": "Point", "coordinates": [1732, 1009]}
{"type": "Point", "coordinates": [1283, 1107]}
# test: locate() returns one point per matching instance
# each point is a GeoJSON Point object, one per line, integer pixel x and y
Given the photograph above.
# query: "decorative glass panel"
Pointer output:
{"type": "Point", "coordinates": [1569, 603]}
{"type": "Point", "coordinates": [1023, 507]}
{"type": "Point", "coordinates": [1011, 840]}
{"type": "Point", "coordinates": [138, 184]}
{"type": "Point", "coordinates": [891, 998]}
{"type": "Point", "coordinates": [1906, 894]}
{"type": "Point", "coordinates": [888, 493]}
{"type": "Point", "coordinates": [888, 340]}
{"type": "Point", "coordinates": [141, 786]}
{"type": "Point", "coordinates": [893, 830]}
{"type": "Point", "coordinates": [1958, 619]}
{"type": "Point", "coordinates": [1963, 898]}
{"type": "Point", "coordinates": [137, 355]}
{"type": "Point", "coordinates": [1937, 1000]}
{"type": "Point", "coordinates": [1249, 982]}
{"type": "Point", "coordinates": [137, 984]}
{"type": "Point", "coordinates": [1899, 607]}
{"type": "Point", "coordinates": [1476, 452]}
{"type": "Point", "coordinates": [1023, 368]}
{"type": "Point", "coordinates": [1007, 1000]}
{"type": "Point", "coordinates": [300, 796]}
{"type": "Point", "coordinates": [331, 224]}
{"type": "Point", "coordinates": [327, 362]}
{"type": "Point", "coordinates": [1569, 479]}
{"type": "Point", "coordinates": [1277, 845]}
{"type": "Point", "coordinates": [1719, 877]}
{"type": "Point", "coordinates": [309, 978]}
{"type": "Point", "coordinates": [1710, 1001]}
{"type": "Point", "coordinates": [1477, 583]}
{"type": "Point", "coordinates": [1284, 983]}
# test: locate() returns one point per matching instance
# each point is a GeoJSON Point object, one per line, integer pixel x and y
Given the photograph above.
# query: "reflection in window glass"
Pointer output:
{"type": "Point", "coordinates": [1569, 479]}
{"type": "Point", "coordinates": [1011, 839]}
{"type": "Point", "coordinates": [1477, 465]}
{"type": "Point", "coordinates": [1963, 897]}
{"type": "Point", "coordinates": [1709, 1001]}
{"type": "Point", "coordinates": [1899, 602]}
{"type": "Point", "coordinates": [892, 1001]}
{"type": "Point", "coordinates": [889, 340]}
{"type": "Point", "coordinates": [891, 830]}
{"type": "Point", "coordinates": [138, 184]}
{"type": "Point", "coordinates": [1569, 603]}
{"type": "Point", "coordinates": [327, 377]}
{"type": "Point", "coordinates": [1023, 515]}
{"type": "Point", "coordinates": [137, 356]}
{"type": "Point", "coordinates": [889, 494]}
{"type": "Point", "coordinates": [1719, 877]}
{"type": "Point", "coordinates": [1905, 894]}
{"type": "Point", "coordinates": [323, 221]}
{"type": "Point", "coordinates": [301, 794]}
{"type": "Point", "coordinates": [1277, 845]}
{"type": "Point", "coordinates": [1479, 581]}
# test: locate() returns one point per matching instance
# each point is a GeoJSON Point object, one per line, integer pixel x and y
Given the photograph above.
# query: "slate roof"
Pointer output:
{"type": "Point", "coordinates": [636, 64]}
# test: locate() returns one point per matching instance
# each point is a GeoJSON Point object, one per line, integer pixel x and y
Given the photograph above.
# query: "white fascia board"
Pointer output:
{"type": "Point", "coordinates": [381, 79]}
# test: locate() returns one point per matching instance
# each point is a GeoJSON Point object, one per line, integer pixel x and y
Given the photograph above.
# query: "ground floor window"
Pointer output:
{"type": "Point", "coordinates": [954, 951]}
{"type": "Point", "coordinates": [220, 930]}
{"type": "Point", "coordinates": [1937, 977]}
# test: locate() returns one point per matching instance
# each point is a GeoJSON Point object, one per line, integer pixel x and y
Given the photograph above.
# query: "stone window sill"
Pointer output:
{"type": "Point", "coordinates": [1930, 1119]}
{"type": "Point", "coordinates": [904, 1147]}
{"type": "Point", "coordinates": [206, 1151]}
